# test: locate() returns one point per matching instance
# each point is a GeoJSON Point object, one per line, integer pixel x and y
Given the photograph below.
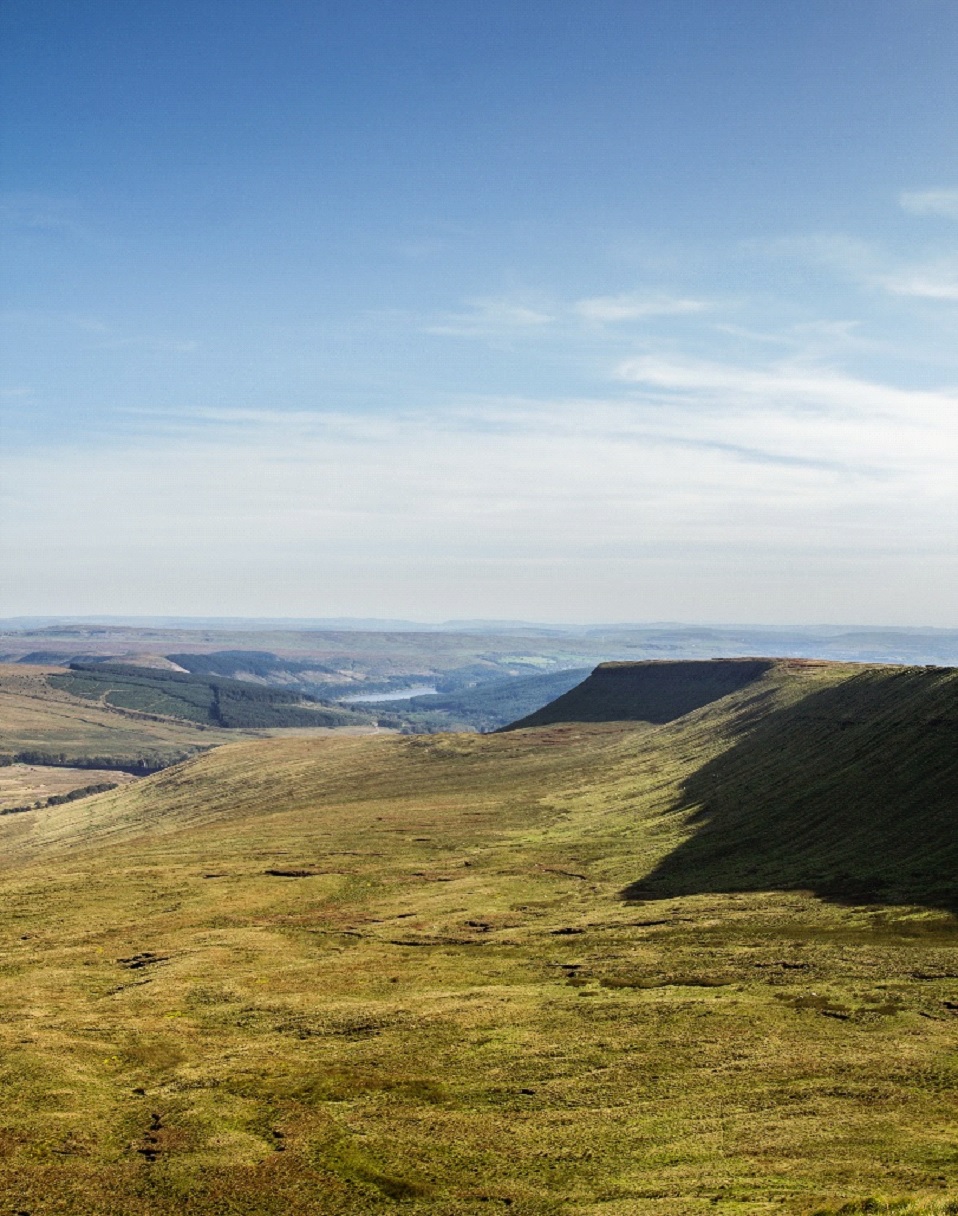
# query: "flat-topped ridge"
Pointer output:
{"type": "Point", "coordinates": [654, 690]}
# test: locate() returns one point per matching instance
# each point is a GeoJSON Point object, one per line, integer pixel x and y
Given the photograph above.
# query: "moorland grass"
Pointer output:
{"type": "Point", "coordinates": [38, 720]}
{"type": "Point", "coordinates": [346, 975]}
{"type": "Point", "coordinates": [23, 785]}
{"type": "Point", "coordinates": [210, 700]}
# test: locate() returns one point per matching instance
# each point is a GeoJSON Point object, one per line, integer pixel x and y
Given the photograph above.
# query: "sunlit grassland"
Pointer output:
{"type": "Point", "coordinates": [34, 716]}
{"type": "Point", "coordinates": [24, 784]}
{"type": "Point", "coordinates": [343, 974]}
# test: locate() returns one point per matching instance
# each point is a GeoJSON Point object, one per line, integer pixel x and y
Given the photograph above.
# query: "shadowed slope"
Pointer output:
{"type": "Point", "coordinates": [851, 792]}
{"type": "Point", "coordinates": [647, 692]}
{"type": "Point", "coordinates": [326, 974]}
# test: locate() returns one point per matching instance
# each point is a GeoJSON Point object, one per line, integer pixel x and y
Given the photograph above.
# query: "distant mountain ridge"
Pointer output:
{"type": "Point", "coordinates": [376, 649]}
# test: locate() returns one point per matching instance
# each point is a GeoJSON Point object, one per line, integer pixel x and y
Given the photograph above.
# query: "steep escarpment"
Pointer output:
{"type": "Point", "coordinates": [838, 778]}
{"type": "Point", "coordinates": [656, 691]}
{"type": "Point", "coordinates": [850, 791]}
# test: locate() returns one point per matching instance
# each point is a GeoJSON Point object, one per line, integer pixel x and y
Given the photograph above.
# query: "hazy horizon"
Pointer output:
{"type": "Point", "coordinates": [375, 624]}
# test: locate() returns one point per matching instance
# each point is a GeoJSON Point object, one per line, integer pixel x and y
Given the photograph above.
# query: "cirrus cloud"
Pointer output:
{"type": "Point", "coordinates": [632, 307]}
{"type": "Point", "coordinates": [930, 202]}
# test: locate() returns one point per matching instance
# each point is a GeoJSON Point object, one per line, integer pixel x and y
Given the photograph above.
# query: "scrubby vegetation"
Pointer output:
{"type": "Point", "coordinates": [339, 975]}
{"type": "Point", "coordinates": [142, 765]}
{"type": "Point", "coordinates": [44, 725]}
{"type": "Point", "coordinates": [211, 700]}
{"type": "Point", "coordinates": [84, 791]}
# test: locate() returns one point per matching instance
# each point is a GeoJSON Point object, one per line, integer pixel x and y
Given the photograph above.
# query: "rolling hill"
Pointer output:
{"type": "Point", "coordinates": [209, 700]}
{"type": "Point", "coordinates": [67, 730]}
{"type": "Point", "coordinates": [40, 723]}
{"type": "Point", "coordinates": [851, 789]}
{"type": "Point", "coordinates": [610, 966]}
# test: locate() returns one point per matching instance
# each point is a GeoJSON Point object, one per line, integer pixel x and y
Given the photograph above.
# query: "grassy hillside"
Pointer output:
{"type": "Point", "coordinates": [25, 785]}
{"type": "Point", "coordinates": [340, 975]}
{"type": "Point", "coordinates": [42, 723]}
{"type": "Point", "coordinates": [210, 700]}
{"type": "Point", "coordinates": [852, 791]}
{"type": "Point", "coordinates": [656, 691]}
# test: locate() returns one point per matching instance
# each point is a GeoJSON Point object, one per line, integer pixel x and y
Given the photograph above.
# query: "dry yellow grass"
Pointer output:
{"type": "Point", "coordinates": [34, 716]}
{"type": "Point", "coordinates": [24, 784]}
{"type": "Point", "coordinates": [339, 975]}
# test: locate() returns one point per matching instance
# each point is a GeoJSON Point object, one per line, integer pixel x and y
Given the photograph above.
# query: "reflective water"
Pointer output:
{"type": "Point", "coordinates": [404, 694]}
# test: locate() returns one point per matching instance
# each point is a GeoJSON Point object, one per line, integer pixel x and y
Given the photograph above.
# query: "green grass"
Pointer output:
{"type": "Point", "coordinates": [349, 975]}
{"type": "Point", "coordinates": [209, 700]}
{"type": "Point", "coordinates": [851, 791]}
{"type": "Point", "coordinates": [44, 724]}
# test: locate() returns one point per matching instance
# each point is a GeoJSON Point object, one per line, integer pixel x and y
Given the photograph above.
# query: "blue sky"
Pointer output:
{"type": "Point", "coordinates": [566, 310]}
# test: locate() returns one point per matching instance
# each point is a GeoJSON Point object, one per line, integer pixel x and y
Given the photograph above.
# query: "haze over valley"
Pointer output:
{"type": "Point", "coordinates": [478, 632]}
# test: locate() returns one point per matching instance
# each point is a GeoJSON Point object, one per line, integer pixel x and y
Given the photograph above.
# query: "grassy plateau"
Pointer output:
{"type": "Point", "coordinates": [651, 964]}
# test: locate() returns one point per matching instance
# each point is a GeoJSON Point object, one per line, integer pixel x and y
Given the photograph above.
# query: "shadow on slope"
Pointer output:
{"type": "Point", "coordinates": [851, 793]}
{"type": "Point", "coordinates": [657, 691]}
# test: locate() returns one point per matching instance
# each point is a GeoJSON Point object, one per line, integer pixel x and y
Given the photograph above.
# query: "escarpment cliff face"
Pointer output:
{"type": "Point", "coordinates": [849, 790]}
{"type": "Point", "coordinates": [655, 691]}
{"type": "Point", "coordinates": [837, 778]}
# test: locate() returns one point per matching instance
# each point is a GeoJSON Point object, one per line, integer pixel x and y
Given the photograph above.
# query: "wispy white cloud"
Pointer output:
{"type": "Point", "coordinates": [930, 202]}
{"type": "Point", "coordinates": [935, 281]}
{"type": "Point", "coordinates": [530, 316]}
{"type": "Point", "coordinates": [932, 278]}
{"type": "Point", "coordinates": [697, 453]}
{"type": "Point", "coordinates": [896, 436]}
{"type": "Point", "coordinates": [694, 463]}
{"type": "Point", "coordinates": [807, 340]}
{"type": "Point", "coordinates": [633, 307]}
{"type": "Point", "coordinates": [493, 316]}
{"type": "Point", "coordinates": [789, 385]}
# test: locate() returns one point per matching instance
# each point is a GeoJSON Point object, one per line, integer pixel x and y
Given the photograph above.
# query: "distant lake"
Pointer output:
{"type": "Point", "coordinates": [418, 690]}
